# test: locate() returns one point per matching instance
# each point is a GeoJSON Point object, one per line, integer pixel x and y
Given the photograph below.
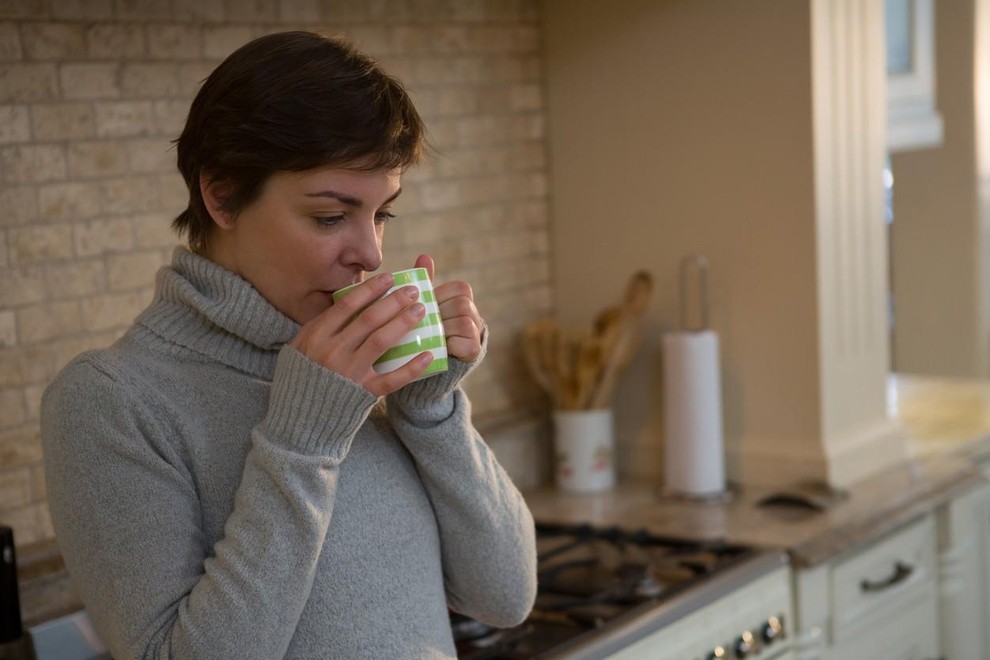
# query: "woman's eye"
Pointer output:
{"type": "Point", "coordinates": [328, 220]}
{"type": "Point", "coordinates": [383, 216]}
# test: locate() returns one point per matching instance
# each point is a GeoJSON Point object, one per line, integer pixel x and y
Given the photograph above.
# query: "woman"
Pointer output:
{"type": "Point", "coordinates": [221, 480]}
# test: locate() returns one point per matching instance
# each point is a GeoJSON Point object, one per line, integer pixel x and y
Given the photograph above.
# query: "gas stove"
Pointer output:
{"type": "Point", "coordinates": [605, 589]}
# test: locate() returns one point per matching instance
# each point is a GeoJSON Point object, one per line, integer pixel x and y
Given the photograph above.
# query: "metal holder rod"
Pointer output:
{"type": "Point", "coordinates": [698, 263]}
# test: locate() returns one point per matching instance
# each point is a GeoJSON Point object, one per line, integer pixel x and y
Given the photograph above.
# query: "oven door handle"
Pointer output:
{"type": "Point", "coordinates": [901, 573]}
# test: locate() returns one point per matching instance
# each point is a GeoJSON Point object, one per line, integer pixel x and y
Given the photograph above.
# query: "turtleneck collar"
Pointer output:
{"type": "Point", "coordinates": [206, 308]}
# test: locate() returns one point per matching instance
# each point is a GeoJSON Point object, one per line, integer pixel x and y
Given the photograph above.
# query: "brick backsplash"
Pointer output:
{"type": "Point", "coordinates": [93, 91]}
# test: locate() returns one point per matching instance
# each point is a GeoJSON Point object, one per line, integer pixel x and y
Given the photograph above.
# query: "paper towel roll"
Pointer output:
{"type": "Point", "coordinates": [694, 460]}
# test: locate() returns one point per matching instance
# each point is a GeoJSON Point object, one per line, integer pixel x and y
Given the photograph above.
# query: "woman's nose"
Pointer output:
{"type": "Point", "coordinates": [365, 246]}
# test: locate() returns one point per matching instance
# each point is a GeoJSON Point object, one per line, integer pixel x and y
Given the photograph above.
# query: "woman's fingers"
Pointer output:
{"type": "Point", "coordinates": [425, 261]}
{"type": "Point", "coordinates": [354, 332]}
{"type": "Point", "coordinates": [360, 297]}
{"type": "Point", "coordinates": [387, 383]}
{"type": "Point", "coordinates": [463, 349]}
{"type": "Point", "coordinates": [461, 307]}
{"type": "Point", "coordinates": [383, 336]}
{"type": "Point", "coordinates": [462, 323]}
{"type": "Point", "coordinates": [456, 298]}
{"type": "Point", "coordinates": [350, 336]}
{"type": "Point", "coordinates": [358, 364]}
{"type": "Point", "coordinates": [369, 320]}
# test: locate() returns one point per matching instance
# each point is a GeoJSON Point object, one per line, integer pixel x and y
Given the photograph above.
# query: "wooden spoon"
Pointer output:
{"type": "Point", "coordinates": [589, 368]}
{"type": "Point", "coordinates": [623, 336]}
{"type": "Point", "coordinates": [638, 292]}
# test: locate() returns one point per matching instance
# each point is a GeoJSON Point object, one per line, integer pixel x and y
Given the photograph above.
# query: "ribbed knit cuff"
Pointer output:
{"type": "Point", "coordinates": [314, 410]}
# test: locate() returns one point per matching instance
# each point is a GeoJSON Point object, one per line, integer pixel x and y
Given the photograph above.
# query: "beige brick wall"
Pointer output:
{"type": "Point", "coordinates": [93, 91]}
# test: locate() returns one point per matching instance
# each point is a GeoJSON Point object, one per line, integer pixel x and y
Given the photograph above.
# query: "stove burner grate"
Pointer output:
{"type": "Point", "coordinates": [589, 576]}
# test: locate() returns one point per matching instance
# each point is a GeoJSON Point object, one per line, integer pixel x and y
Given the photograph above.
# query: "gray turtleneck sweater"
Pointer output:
{"type": "Point", "coordinates": [216, 494]}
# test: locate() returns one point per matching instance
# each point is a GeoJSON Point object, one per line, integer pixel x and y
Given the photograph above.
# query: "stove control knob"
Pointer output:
{"type": "Point", "coordinates": [772, 629]}
{"type": "Point", "coordinates": [745, 645]}
{"type": "Point", "coordinates": [717, 653]}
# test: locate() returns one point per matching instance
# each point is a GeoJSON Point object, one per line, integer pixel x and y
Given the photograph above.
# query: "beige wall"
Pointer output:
{"type": "Point", "coordinates": [938, 246]}
{"type": "Point", "coordinates": [91, 93]}
{"type": "Point", "coordinates": [708, 149]}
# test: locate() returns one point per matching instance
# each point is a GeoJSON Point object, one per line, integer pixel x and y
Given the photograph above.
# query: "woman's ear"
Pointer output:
{"type": "Point", "coordinates": [215, 198]}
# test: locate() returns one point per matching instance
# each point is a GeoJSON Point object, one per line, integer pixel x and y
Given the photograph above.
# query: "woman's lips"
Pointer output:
{"type": "Point", "coordinates": [329, 293]}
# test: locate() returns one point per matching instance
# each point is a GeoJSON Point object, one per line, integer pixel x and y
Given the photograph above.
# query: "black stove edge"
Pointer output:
{"type": "Point", "coordinates": [648, 621]}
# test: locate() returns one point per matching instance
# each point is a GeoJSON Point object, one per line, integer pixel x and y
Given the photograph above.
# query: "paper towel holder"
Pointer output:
{"type": "Point", "coordinates": [698, 263]}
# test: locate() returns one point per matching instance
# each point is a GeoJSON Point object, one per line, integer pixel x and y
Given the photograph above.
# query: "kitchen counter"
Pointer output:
{"type": "Point", "coordinates": [878, 505]}
{"type": "Point", "coordinates": [943, 416]}
{"type": "Point", "coordinates": [948, 422]}
{"type": "Point", "coordinates": [45, 590]}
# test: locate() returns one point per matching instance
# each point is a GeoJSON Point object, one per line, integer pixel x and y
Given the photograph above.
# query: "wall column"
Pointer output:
{"type": "Point", "coordinates": [753, 133]}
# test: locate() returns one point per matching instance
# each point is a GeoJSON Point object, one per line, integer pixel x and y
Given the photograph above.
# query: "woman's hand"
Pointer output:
{"type": "Point", "coordinates": [357, 329]}
{"type": "Point", "coordinates": [462, 323]}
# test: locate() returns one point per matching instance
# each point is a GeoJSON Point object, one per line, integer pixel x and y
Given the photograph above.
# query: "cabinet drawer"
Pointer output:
{"type": "Point", "coordinates": [911, 634]}
{"type": "Point", "coordinates": [887, 576]}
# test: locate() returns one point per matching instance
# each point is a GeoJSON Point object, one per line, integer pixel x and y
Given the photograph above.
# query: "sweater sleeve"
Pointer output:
{"type": "Point", "coordinates": [128, 520]}
{"type": "Point", "coordinates": [486, 530]}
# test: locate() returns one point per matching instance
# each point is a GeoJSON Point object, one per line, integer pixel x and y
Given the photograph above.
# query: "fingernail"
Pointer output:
{"type": "Point", "coordinates": [385, 279]}
{"type": "Point", "coordinates": [419, 309]}
{"type": "Point", "coordinates": [410, 292]}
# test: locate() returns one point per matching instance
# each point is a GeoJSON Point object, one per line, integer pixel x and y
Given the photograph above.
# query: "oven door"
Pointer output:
{"type": "Point", "coordinates": [749, 622]}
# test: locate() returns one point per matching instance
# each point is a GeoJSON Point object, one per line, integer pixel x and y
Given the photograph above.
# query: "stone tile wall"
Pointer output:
{"type": "Point", "coordinates": [93, 91]}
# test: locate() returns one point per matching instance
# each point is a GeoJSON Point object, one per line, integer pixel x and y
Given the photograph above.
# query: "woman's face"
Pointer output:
{"type": "Point", "coordinates": [307, 235]}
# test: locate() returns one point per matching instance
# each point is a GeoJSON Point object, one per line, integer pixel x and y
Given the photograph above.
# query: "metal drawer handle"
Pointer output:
{"type": "Point", "coordinates": [901, 572]}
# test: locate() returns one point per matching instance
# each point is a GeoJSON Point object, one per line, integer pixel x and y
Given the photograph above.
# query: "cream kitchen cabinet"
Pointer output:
{"type": "Point", "coordinates": [964, 580]}
{"type": "Point", "coordinates": [879, 600]}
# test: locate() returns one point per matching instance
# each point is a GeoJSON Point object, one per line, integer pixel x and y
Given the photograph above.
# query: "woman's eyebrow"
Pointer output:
{"type": "Point", "coordinates": [349, 200]}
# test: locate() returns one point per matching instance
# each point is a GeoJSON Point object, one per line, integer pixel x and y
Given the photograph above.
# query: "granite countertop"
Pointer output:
{"type": "Point", "coordinates": [948, 424]}
{"type": "Point", "coordinates": [870, 509]}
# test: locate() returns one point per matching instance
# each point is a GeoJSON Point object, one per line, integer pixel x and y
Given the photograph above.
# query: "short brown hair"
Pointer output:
{"type": "Point", "coordinates": [290, 101]}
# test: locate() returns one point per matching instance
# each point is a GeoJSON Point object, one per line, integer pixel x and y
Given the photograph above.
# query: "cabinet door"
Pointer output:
{"type": "Point", "coordinates": [964, 538]}
{"type": "Point", "coordinates": [983, 554]}
{"type": "Point", "coordinates": [909, 634]}
{"type": "Point", "coordinates": [884, 598]}
{"type": "Point", "coordinates": [880, 580]}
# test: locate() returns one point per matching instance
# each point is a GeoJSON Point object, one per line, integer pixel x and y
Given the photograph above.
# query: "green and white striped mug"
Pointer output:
{"type": "Point", "coordinates": [426, 336]}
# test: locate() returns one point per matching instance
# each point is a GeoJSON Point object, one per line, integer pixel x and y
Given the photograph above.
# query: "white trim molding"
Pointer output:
{"type": "Point", "coordinates": [848, 74]}
{"type": "Point", "coordinates": [913, 122]}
